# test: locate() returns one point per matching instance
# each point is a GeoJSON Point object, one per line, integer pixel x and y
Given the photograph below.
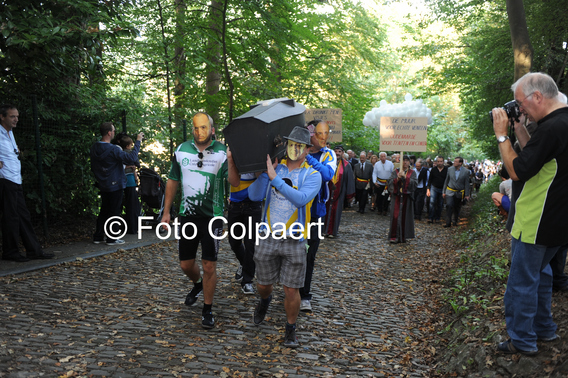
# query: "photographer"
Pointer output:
{"type": "Point", "coordinates": [540, 176]}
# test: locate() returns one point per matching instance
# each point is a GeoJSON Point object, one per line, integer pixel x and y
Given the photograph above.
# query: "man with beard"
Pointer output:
{"type": "Point", "coordinates": [201, 165]}
{"type": "Point", "coordinates": [435, 189]}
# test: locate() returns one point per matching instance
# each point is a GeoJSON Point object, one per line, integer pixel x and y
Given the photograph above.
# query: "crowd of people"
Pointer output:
{"type": "Point", "coordinates": [297, 201]}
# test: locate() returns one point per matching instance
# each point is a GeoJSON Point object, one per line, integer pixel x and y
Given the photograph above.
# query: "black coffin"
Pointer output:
{"type": "Point", "coordinates": [260, 131]}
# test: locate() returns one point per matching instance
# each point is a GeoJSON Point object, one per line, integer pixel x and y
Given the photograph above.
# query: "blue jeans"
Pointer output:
{"type": "Point", "coordinates": [436, 203]}
{"type": "Point", "coordinates": [529, 294]}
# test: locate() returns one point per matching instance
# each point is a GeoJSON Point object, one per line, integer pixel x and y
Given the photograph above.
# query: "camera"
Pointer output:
{"type": "Point", "coordinates": [512, 109]}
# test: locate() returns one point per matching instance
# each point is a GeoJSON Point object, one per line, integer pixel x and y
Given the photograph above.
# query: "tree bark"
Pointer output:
{"type": "Point", "coordinates": [213, 50]}
{"type": "Point", "coordinates": [522, 48]}
{"type": "Point", "coordinates": [179, 62]}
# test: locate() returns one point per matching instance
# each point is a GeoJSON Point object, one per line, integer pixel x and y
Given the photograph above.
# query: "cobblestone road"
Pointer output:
{"type": "Point", "coordinates": [122, 315]}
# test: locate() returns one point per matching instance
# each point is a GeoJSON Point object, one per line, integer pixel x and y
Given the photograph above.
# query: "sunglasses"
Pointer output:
{"type": "Point", "coordinates": [17, 154]}
{"type": "Point", "coordinates": [200, 162]}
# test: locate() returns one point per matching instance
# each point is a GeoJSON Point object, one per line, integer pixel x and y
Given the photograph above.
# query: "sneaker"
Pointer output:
{"type": "Point", "coordinates": [260, 311]}
{"type": "Point", "coordinates": [115, 242]}
{"type": "Point", "coordinates": [194, 294]}
{"type": "Point", "coordinates": [239, 273]}
{"type": "Point", "coordinates": [305, 305]}
{"type": "Point", "coordinates": [507, 347]}
{"type": "Point", "coordinates": [208, 321]}
{"type": "Point", "coordinates": [248, 289]}
{"type": "Point", "coordinates": [290, 340]}
{"type": "Point", "coordinates": [549, 339]}
{"type": "Point", "coordinates": [98, 241]}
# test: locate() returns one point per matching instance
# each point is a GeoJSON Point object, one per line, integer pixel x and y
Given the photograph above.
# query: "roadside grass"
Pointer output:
{"type": "Point", "coordinates": [474, 287]}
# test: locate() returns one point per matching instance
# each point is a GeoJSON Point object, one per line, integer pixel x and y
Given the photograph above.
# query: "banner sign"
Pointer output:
{"type": "Point", "coordinates": [404, 134]}
{"type": "Point", "coordinates": [333, 119]}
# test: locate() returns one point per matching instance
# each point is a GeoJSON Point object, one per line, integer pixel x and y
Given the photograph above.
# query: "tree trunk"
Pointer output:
{"type": "Point", "coordinates": [522, 48]}
{"type": "Point", "coordinates": [213, 50]}
{"type": "Point", "coordinates": [179, 62]}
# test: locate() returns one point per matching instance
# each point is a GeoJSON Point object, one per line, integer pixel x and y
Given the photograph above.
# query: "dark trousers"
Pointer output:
{"type": "Point", "coordinates": [381, 202]}
{"type": "Point", "coordinates": [420, 194]}
{"type": "Point", "coordinates": [16, 221]}
{"type": "Point", "coordinates": [111, 203]}
{"type": "Point", "coordinates": [362, 196]}
{"type": "Point", "coordinates": [313, 245]}
{"type": "Point", "coordinates": [241, 212]}
{"type": "Point", "coordinates": [131, 209]}
{"type": "Point", "coordinates": [453, 206]}
{"type": "Point", "coordinates": [558, 263]}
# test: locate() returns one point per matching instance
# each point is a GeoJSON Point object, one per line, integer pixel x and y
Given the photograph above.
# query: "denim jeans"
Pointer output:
{"type": "Point", "coordinates": [436, 203]}
{"type": "Point", "coordinates": [529, 294]}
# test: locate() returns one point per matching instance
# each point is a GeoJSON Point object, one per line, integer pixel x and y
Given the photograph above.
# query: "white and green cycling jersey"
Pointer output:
{"type": "Point", "coordinates": [202, 178]}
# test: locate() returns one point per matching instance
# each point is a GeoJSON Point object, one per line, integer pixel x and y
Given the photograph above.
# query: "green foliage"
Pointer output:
{"type": "Point", "coordinates": [482, 267]}
{"type": "Point", "coordinates": [479, 64]}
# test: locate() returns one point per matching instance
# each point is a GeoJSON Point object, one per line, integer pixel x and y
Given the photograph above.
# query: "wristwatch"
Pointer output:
{"type": "Point", "coordinates": [502, 138]}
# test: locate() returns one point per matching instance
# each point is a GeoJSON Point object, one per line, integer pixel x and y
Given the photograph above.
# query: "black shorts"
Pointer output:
{"type": "Point", "coordinates": [190, 238]}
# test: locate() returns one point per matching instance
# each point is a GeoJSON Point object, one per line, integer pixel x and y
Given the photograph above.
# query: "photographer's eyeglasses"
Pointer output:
{"type": "Point", "coordinates": [200, 162]}
{"type": "Point", "coordinates": [520, 103]}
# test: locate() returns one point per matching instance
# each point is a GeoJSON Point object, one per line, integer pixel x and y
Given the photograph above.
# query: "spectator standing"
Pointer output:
{"type": "Point", "coordinates": [107, 164]}
{"type": "Point", "coordinates": [540, 177]}
{"type": "Point", "coordinates": [16, 219]}
{"type": "Point", "coordinates": [131, 200]}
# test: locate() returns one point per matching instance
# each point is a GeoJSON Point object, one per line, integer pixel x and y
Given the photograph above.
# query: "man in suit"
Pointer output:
{"type": "Point", "coordinates": [352, 159]}
{"type": "Point", "coordinates": [363, 172]}
{"type": "Point", "coordinates": [456, 188]}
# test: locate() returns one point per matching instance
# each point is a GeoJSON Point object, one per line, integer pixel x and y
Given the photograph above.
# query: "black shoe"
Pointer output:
{"type": "Point", "coordinates": [430, 221]}
{"type": "Point", "coordinates": [16, 258]}
{"type": "Point", "coordinates": [507, 347]}
{"type": "Point", "coordinates": [290, 339]}
{"type": "Point", "coordinates": [447, 225]}
{"type": "Point", "coordinates": [260, 311]}
{"type": "Point", "coordinates": [194, 294]}
{"type": "Point", "coordinates": [208, 321]}
{"type": "Point", "coordinates": [455, 224]}
{"type": "Point", "coordinates": [42, 256]}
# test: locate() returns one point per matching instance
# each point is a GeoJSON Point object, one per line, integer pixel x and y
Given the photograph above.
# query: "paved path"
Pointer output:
{"type": "Point", "coordinates": [122, 315]}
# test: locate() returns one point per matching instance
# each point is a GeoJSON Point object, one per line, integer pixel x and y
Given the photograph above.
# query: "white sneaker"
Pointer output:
{"type": "Point", "coordinates": [305, 305]}
{"type": "Point", "coordinates": [248, 289]}
{"type": "Point", "coordinates": [116, 242]}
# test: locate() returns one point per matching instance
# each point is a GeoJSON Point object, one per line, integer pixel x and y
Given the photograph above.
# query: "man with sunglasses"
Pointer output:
{"type": "Point", "coordinates": [540, 176]}
{"type": "Point", "coordinates": [16, 220]}
{"type": "Point", "coordinates": [201, 166]}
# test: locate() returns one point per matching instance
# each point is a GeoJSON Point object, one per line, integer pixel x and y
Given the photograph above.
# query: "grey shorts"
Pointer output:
{"type": "Point", "coordinates": [281, 261]}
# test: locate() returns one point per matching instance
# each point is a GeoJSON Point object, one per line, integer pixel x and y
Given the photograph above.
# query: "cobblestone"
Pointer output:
{"type": "Point", "coordinates": [122, 315]}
